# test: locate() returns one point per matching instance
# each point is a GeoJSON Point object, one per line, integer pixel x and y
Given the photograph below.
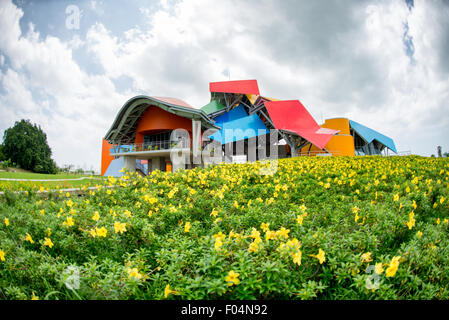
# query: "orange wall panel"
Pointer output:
{"type": "Point", "coordinates": [155, 119]}
{"type": "Point", "coordinates": [106, 157]}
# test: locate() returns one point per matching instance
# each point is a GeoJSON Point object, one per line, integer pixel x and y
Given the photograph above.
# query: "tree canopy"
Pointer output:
{"type": "Point", "coordinates": [26, 145]}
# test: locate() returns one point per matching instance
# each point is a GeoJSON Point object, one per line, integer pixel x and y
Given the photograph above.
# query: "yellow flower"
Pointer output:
{"type": "Point", "coordinates": [48, 242]}
{"type": "Point", "coordinates": [366, 257]}
{"type": "Point", "coordinates": [270, 235]}
{"type": "Point", "coordinates": [438, 221]}
{"type": "Point", "coordinates": [300, 218]}
{"type": "Point", "coordinates": [321, 256]}
{"type": "Point", "coordinates": [297, 257]}
{"type": "Point", "coordinates": [419, 234]}
{"type": "Point", "coordinates": [378, 268]}
{"type": "Point", "coordinates": [6, 221]}
{"type": "Point", "coordinates": [96, 216]}
{"type": "Point", "coordinates": [283, 232]}
{"type": "Point", "coordinates": [119, 227]}
{"type": "Point", "coordinates": [34, 297]}
{"type": "Point", "coordinates": [407, 189]}
{"type": "Point", "coordinates": [265, 227]}
{"type": "Point", "coordinates": [442, 200]}
{"type": "Point", "coordinates": [42, 212]}
{"type": "Point", "coordinates": [214, 213]}
{"type": "Point", "coordinates": [393, 266]}
{"type": "Point", "coordinates": [187, 227]}
{"type": "Point", "coordinates": [67, 195]}
{"type": "Point", "coordinates": [2, 255]}
{"type": "Point", "coordinates": [218, 244]}
{"type": "Point", "coordinates": [69, 222]}
{"type": "Point", "coordinates": [168, 291]}
{"type": "Point", "coordinates": [232, 278]}
{"type": "Point", "coordinates": [127, 213]}
{"type": "Point", "coordinates": [28, 238]}
{"type": "Point", "coordinates": [254, 246]}
{"type": "Point", "coordinates": [134, 273]}
{"type": "Point", "coordinates": [411, 222]}
{"type": "Point", "coordinates": [396, 197]}
{"type": "Point", "coordinates": [102, 232]}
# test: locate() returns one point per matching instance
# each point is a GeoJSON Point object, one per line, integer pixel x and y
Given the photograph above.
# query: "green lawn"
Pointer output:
{"type": "Point", "coordinates": [35, 185]}
{"type": "Point", "coordinates": [30, 175]}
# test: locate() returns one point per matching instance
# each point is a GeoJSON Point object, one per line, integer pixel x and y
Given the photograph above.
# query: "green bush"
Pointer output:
{"type": "Point", "coordinates": [310, 231]}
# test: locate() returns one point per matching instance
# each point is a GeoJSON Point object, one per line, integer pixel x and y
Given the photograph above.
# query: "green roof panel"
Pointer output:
{"type": "Point", "coordinates": [212, 106]}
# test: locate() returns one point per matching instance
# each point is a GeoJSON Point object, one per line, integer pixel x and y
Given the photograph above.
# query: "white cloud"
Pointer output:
{"type": "Point", "coordinates": [73, 107]}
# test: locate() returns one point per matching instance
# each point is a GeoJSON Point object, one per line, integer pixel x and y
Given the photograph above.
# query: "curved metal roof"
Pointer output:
{"type": "Point", "coordinates": [123, 129]}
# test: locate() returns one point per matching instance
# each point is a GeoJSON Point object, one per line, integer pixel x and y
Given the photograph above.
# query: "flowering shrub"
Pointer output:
{"type": "Point", "coordinates": [319, 228]}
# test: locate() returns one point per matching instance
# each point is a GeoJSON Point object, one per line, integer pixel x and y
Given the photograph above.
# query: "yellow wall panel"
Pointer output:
{"type": "Point", "coordinates": [341, 124]}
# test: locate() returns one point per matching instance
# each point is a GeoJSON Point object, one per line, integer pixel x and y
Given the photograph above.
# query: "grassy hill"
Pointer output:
{"type": "Point", "coordinates": [318, 228]}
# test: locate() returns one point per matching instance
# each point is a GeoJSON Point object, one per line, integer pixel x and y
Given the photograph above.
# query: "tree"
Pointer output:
{"type": "Point", "coordinates": [26, 145]}
{"type": "Point", "coordinates": [439, 151]}
{"type": "Point", "coordinates": [2, 156]}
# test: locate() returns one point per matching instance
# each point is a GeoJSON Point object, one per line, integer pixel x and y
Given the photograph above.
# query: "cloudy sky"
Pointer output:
{"type": "Point", "coordinates": [384, 64]}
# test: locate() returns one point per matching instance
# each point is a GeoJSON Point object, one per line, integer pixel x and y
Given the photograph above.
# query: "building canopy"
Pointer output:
{"type": "Point", "coordinates": [237, 87]}
{"type": "Point", "coordinates": [238, 125]}
{"type": "Point", "coordinates": [369, 135]}
{"type": "Point", "coordinates": [292, 116]}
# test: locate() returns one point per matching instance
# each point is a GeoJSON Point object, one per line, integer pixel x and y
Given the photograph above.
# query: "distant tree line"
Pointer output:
{"type": "Point", "coordinates": [440, 153]}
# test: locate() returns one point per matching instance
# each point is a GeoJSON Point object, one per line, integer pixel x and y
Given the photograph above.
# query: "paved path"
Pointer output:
{"type": "Point", "coordinates": [82, 178]}
{"type": "Point", "coordinates": [77, 191]}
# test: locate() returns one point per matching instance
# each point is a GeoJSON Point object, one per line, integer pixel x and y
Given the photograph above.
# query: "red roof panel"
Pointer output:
{"type": "Point", "coordinates": [291, 115]}
{"type": "Point", "coordinates": [239, 87]}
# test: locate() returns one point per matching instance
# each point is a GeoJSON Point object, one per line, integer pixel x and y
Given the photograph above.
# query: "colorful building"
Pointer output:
{"type": "Point", "coordinates": [141, 139]}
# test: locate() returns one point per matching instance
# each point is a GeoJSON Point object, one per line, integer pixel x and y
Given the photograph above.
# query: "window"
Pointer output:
{"type": "Point", "coordinates": [157, 141]}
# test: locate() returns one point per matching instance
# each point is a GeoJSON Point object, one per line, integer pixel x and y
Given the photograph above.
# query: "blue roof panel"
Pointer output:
{"type": "Point", "coordinates": [250, 126]}
{"type": "Point", "coordinates": [369, 135]}
{"type": "Point", "coordinates": [234, 114]}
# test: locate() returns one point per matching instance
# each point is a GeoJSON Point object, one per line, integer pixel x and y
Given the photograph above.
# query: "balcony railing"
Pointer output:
{"type": "Point", "coordinates": [148, 146]}
{"type": "Point", "coordinates": [318, 153]}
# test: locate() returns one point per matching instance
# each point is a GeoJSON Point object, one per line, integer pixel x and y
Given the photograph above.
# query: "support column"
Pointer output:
{"type": "Point", "coordinates": [180, 164]}
{"type": "Point", "coordinates": [130, 163]}
{"type": "Point", "coordinates": [155, 163]}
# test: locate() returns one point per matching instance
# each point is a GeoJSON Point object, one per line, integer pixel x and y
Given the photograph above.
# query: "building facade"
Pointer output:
{"type": "Point", "coordinates": [238, 120]}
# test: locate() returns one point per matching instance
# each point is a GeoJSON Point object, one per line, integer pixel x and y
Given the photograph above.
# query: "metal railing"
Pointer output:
{"type": "Point", "coordinates": [149, 146]}
{"type": "Point", "coordinates": [398, 154]}
{"type": "Point", "coordinates": [318, 153]}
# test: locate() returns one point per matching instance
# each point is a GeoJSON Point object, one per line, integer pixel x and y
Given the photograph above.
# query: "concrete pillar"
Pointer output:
{"type": "Point", "coordinates": [181, 164]}
{"type": "Point", "coordinates": [155, 163]}
{"type": "Point", "coordinates": [130, 163]}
